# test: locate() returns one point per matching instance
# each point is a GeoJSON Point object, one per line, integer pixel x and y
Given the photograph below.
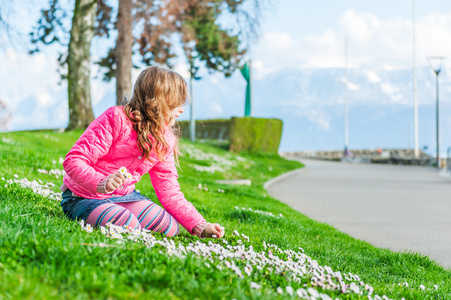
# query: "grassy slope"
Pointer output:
{"type": "Point", "coordinates": [42, 253]}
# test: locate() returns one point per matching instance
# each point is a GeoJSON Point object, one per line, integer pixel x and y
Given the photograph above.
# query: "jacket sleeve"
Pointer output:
{"type": "Point", "coordinates": [93, 144]}
{"type": "Point", "coordinates": [164, 180]}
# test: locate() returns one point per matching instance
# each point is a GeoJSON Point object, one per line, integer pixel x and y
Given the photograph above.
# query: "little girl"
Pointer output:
{"type": "Point", "coordinates": [119, 147]}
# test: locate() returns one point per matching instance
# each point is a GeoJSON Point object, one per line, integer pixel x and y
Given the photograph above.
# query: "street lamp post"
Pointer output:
{"type": "Point", "coordinates": [346, 113]}
{"type": "Point", "coordinates": [436, 65]}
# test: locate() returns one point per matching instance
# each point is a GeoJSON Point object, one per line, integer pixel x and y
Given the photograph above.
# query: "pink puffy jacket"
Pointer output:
{"type": "Point", "coordinates": [110, 142]}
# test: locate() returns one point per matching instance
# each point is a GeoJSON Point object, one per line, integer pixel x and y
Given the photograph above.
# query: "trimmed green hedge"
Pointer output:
{"type": "Point", "coordinates": [215, 129]}
{"type": "Point", "coordinates": [255, 134]}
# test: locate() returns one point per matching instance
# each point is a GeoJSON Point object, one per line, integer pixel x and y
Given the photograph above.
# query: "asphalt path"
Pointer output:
{"type": "Point", "coordinates": [403, 208]}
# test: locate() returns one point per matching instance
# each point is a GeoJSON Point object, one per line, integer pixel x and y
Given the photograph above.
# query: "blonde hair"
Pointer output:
{"type": "Point", "coordinates": [156, 93]}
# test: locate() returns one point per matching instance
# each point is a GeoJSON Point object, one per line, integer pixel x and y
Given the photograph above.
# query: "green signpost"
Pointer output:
{"type": "Point", "coordinates": [246, 71]}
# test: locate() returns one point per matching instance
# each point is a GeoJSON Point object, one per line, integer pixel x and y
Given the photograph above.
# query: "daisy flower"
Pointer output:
{"type": "Point", "coordinates": [255, 285]}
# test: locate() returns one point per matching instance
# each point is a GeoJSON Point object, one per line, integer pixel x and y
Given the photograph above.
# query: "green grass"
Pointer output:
{"type": "Point", "coordinates": [46, 256]}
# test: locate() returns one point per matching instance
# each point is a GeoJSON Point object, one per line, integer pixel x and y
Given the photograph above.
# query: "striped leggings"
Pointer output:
{"type": "Point", "coordinates": [136, 215]}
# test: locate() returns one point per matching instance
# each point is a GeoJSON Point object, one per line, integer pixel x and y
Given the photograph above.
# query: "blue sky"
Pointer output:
{"type": "Point", "coordinates": [295, 35]}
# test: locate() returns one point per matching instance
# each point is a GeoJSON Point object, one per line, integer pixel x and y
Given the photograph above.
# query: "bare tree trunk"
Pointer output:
{"type": "Point", "coordinates": [124, 51]}
{"type": "Point", "coordinates": [78, 61]}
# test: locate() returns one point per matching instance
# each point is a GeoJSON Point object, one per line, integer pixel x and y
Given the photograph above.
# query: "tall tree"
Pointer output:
{"type": "Point", "coordinates": [49, 30]}
{"type": "Point", "coordinates": [124, 50]}
{"type": "Point", "coordinates": [79, 64]}
{"type": "Point", "coordinates": [90, 17]}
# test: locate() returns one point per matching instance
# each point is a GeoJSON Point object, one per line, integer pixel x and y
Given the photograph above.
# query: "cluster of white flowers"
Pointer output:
{"type": "Point", "coordinates": [125, 172]}
{"type": "Point", "coordinates": [209, 169]}
{"type": "Point", "coordinates": [239, 158]}
{"type": "Point", "coordinates": [256, 211]}
{"type": "Point", "coordinates": [7, 141]}
{"type": "Point", "coordinates": [244, 261]}
{"type": "Point", "coordinates": [50, 137]}
{"type": "Point", "coordinates": [205, 188]}
{"type": "Point", "coordinates": [55, 172]}
{"type": "Point", "coordinates": [86, 227]}
{"type": "Point", "coordinates": [38, 187]}
{"type": "Point", "coordinates": [421, 287]}
{"type": "Point", "coordinates": [217, 163]}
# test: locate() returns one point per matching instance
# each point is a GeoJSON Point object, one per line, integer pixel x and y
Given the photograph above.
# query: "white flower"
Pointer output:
{"type": "Point", "coordinates": [102, 230]}
{"type": "Point", "coordinates": [123, 170]}
{"type": "Point", "coordinates": [255, 285]}
{"type": "Point", "coordinates": [436, 287]}
{"type": "Point", "coordinates": [280, 290]}
{"type": "Point", "coordinates": [88, 228]}
{"type": "Point", "coordinates": [422, 287]}
{"type": "Point", "coordinates": [248, 270]}
{"type": "Point", "coordinates": [16, 176]}
{"type": "Point", "coordinates": [313, 292]}
{"type": "Point", "coordinates": [82, 223]}
{"type": "Point", "coordinates": [289, 290]}
{"type": "Point", "coordinates": [199, 186]}
{"type": "Point", "coordinates": [353, 287]}
{"type": "Point", "coordinates": [405, 284]}
{"type": "Point", "coordinates": [302, 293]}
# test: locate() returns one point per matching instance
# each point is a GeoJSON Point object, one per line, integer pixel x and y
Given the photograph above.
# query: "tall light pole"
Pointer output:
{"type": "Point", "coordinates": [192, 120]}
{"type": "Point", "coordinates": [346, 114]}
{"type": "Point", "coordinates": [415, 96]}
{"type": "Point", "coordinates": [436, 64]}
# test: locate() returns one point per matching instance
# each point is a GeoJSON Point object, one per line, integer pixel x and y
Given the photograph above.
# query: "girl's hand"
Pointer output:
{"type": "Point", "coordinates": [213, 229]}
{"type": "Point", "coordinates": [114, 181]}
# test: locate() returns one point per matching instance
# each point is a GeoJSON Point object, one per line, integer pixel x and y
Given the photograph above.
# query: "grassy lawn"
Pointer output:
{"type": "Point", "coordinates": [43, 255]}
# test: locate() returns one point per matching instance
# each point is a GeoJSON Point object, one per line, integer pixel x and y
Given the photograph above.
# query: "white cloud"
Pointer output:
{"type": "Point", "coordinates": [351, 86]}
{"type": "Point", "coordinates": [44, 99]}
{"type": "Point", "coordinates": [372, 76]}
{"type": "Point", "coordinates": [372, 42]}
{"type": "Point", "coordinates": [26, 76]}
{"type": "Point", "coordinates": [388, 88]}
{"type": "Point", "coordinates": [278, 40]}
{"type": "Point", "coordinates": [215, 110]}
{"type": "Point", "coordinates": [259, 70]}
{"type": "Point", "coordinates": [182, 68]}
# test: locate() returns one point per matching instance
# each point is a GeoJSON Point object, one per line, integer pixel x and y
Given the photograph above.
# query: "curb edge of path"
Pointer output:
{"type": "Point", "coordinates": [283, 176]}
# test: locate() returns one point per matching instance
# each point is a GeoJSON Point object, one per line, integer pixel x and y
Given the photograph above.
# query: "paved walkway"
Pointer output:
{"type": "Point", "coordinates": [395, 207]}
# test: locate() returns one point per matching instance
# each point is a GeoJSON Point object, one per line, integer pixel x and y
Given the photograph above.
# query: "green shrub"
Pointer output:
{"type": "Point", "coordinates": [215, 129]}
{"type": "Point", "coordinates": [255, 134]}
